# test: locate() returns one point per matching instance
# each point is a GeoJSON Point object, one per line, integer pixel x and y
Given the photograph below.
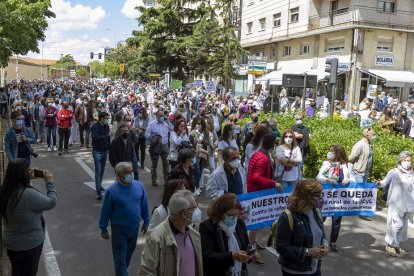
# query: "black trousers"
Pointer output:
{"type": "Point", "coordinates": [25, 263]}
{"type": "Point", "coordinates": [84, 128]}
{"type": "Point", "coordinates": [64, 134]}
{"type": "Point", "coordinates": [140, 146]}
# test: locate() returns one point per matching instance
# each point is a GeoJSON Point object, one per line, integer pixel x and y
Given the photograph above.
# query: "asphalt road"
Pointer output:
{"type": "Point", "coordinates": [79, 250]}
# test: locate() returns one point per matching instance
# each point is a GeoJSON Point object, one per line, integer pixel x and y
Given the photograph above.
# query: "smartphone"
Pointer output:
{"type": "Point", "coordinates": [250, 251]}
{"type": "Point", "coordinates": [38, 173]}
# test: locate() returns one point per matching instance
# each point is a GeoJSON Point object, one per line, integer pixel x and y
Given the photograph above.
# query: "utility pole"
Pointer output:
{"type": "Point", "coordinates": [331, 67]}
{"type": "Point", "coordinates": [61, 66]}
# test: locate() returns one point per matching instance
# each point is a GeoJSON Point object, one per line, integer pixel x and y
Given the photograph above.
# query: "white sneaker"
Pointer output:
{"type": "Point", "coordinates": [49, 149]}
{"type": "Point", "coordinates": [54, 148]}
{"type": "Point", "coordinates": [197, 192]}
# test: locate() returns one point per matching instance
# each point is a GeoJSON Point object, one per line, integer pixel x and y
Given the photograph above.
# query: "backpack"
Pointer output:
{"type": "Point", "coordinates": [273, 236]}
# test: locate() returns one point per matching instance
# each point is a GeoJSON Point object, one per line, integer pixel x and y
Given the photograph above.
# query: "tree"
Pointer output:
{"type": "Point", "coordinates": [110, 69]}
{"type": "Point", "coordinates": [81, 72]}
{"type": "Point", "coordinates": [163, 42]}
{"type": "Point", "coordinates": [65, 62]}
{"type": "Point", "coordinates": [22, 26]}
{"type": "Point", "coordinates": [96, 68]}
{"type": "Point", "coordinates": [126, 54]}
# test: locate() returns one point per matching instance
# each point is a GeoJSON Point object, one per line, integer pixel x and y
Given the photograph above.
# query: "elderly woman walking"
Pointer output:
{"type": "Point", "coordinates": [400, 200]}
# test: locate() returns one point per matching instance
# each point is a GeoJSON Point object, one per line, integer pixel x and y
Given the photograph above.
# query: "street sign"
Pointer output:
{"type": "Point", "coordinates": [72, 73]}
{"type": "Point", "coordinates": [176, 84]}
{"type": "Point", "coordinates": [295, 80]}
{"type": "Point", "coordinates": [154, 75]}
{"type": "Point", "coordinates": [122, 68]}
{"type": "Point", "coordinates": [211, 86]}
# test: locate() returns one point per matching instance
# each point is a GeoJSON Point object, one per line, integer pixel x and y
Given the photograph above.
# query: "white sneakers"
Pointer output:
{"type": "Point", "coordinates": [49, 149]}
{"type": "Point", "coordinates": [197, 192]}
{"type": "Point", "coordinates": [54, 148]}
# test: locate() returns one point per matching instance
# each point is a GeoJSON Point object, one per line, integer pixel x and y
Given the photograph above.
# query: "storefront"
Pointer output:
{"type": "Point", "coordinates": [398, 84]}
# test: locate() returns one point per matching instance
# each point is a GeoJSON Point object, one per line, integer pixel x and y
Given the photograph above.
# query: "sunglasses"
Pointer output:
{"type": "Point", "coordinates": [289, 136]}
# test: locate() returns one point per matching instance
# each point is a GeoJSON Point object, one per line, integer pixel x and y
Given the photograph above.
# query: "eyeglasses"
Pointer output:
{"type": "Point", "coordinates": [289, 136]}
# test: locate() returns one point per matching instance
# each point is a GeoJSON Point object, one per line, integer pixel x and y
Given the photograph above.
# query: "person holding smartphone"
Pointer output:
{"type": "Point", "coordinates": [21, 207]}
{"type": "Point", "coordinates": [224, 239]}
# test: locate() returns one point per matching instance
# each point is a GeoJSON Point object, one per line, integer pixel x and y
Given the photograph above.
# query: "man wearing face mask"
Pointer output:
{"type": "Point", "coordinates": [100, 146]}
{"type": "Point", "coordinates": [122, 149]}
{"type": "Point", "coordinates": [159, 128]}
{"type": "Point", "coordinates": [229, 177]}
{"type": "Point", "coordinates": [16, 139]}
{"type": "Point", "coordinates": [362, 158]}
{"type": "Point", "coordinates": [302, 135]}
{"type": "Point", "coordinates": [173, 248]}
{"type": "Point", "coordinates": [64, 118]}
{"type": "Point", "coordinates": [124, 205]}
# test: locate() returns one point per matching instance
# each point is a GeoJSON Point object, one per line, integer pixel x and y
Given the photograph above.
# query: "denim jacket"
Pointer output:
{"type": "Point", "coordinates": [10, 142]}
{"type": "Point", "coordinates": [291, 245]}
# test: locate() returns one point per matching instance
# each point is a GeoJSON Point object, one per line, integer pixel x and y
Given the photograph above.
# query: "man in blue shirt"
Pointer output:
{"type": "Point", "coordinates": [100, 145]}
{"type": "Point", "coordinates": [125, 203]}
{"type": "Point", "coordinates": [158, 128]}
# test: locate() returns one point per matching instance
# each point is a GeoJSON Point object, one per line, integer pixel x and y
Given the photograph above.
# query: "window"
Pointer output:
{"type": "Point", "coordinates": [304, 49]}
{"type": "Point", "coordinates": [386, 6]}
{"type": "Point", "coordinates": [334, 6]}
{"type": "Point", "coordinates": [286, 50]}
{"type": "Point", "coordinates": [273, 52]}
{"type": "Point", "coordinates": [276, 20]}
{"type": "Point", "coordinates": [294, 15]}
{"type": "Point", "coordinates": [384, 44]}
{"type": "Point", "coordinates": [334, 45]}
{"type": "Point", "coordinates": [259, 53]}
{"type": "Point", "coordinates": [262, 23]}
{"type": "Point", "coordinates": [249, 27]}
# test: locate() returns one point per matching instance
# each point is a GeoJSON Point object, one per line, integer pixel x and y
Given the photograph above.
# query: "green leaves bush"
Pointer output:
{"type": "Point", "coordinates": [326, 132]}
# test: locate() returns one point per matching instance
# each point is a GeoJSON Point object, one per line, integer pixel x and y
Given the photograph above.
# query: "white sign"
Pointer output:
{"type": "Point", "coordinates": [211, 86]}
{"type": "Point", "coordinates": [198, 83]}
{"type": "Point", "coordinates": [260, 209]}
{"type": "Point", "coordinates": [343, 66]}
{"type": "Point", "coordinates": [257, 58]}
{"type": "Point", "coordinates": [384, 60]}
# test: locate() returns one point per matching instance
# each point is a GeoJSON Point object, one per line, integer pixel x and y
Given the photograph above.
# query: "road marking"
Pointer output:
{"type": "Point", "coordinates": [85, 167]}
{"type": "Point", "coordinates": [145, 168]}
{"type": "Point", "coordinates": [49, 258]}
{"type": "Point", "coordinates": [272, 250]}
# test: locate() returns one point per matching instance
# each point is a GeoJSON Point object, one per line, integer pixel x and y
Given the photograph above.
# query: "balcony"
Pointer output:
{"type": "Point", "coordinates": [363, 16]}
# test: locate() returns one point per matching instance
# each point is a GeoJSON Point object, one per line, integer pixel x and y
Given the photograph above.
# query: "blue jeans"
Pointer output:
{"type": "Point", "coordinates": [99, 158]}
{"type": "Point", "coordinates": [123, 245]}
{"type": "Point", "coordinates": [51, 131]}
{"type": "Point", "coordinates": [39, 129]}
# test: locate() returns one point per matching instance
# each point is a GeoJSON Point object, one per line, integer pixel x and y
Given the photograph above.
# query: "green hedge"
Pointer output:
{"type": "Point", "coordinates": [326, 132]}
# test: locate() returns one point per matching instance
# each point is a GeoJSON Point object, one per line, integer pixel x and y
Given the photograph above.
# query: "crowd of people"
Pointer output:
{"type": "Point", "coordinates": [196, 133]}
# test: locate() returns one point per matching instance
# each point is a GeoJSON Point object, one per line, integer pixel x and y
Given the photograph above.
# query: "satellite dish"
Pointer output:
{"type": "Point", "coordinates": [267, 104]}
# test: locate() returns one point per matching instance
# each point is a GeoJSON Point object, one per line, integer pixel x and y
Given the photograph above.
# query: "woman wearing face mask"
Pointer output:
{"type": "Point", "coordinates": [400, 201]}
{"type": "Point", "coordinates": [289, 157]}
{"type": "Point", "coordinates": [303, 246]}
{"type": "Point", "coordinates": [260, 131]}
{"type": "Point", "coordinates": [335, 170]}
{"type": "Point", "coordinates": [199, 137]}
{"type": "Point", "coordinates": [160, 213]}
{"type": "Point", "coordinates": [224, 239]}
{"type": "Point", "coordinates": [141, 124]}
{"type": "Point", "coordinates": [177, 137]}
{"type": "Point", "coordinates": [185, 168]}
{"type": "Point", "coordinates": [226, 140]}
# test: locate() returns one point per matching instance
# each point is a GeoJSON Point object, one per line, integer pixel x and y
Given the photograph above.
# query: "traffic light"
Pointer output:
{"type": "Point", "coordinates": [331, 66]}
{"type": "Point", "coordinates": [99, 55]}
{"type": "Point", "coordinates": [91, 55]}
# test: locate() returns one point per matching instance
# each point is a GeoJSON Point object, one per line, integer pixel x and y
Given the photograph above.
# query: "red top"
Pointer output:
{"type": "Point", "coordinates": [64, 118]}
{"type": "Point", "coordinates": [259, 175]}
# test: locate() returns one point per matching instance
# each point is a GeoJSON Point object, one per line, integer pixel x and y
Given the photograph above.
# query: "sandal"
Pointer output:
{"type": "Point", "coordinates": [391, 251]}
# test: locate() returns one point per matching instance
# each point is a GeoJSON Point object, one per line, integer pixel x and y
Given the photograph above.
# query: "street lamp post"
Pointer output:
{"type": "Point", "coordinates": [109, 29]}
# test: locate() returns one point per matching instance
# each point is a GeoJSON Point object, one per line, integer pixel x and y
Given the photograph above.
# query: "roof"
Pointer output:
{"type": "Point", "coordinates": [38, 61]}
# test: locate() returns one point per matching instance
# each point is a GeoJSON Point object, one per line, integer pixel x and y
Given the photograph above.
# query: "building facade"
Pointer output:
{"type": "Point", "coordinates": [373, 41]}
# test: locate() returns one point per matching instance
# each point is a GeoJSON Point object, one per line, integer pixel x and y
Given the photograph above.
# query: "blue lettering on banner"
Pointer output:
{"type": "Point", "coordinates": [262, 208]}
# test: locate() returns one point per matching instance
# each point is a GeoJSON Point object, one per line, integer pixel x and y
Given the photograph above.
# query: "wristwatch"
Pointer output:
{"type": "Point", "coordinates": [307, 252]}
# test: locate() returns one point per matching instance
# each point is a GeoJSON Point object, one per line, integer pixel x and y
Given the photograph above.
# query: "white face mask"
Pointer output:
{"type": "Point", "coordinates": [288, 141]}
{"type": "Point", "coordinates": [299, 122]}
{"type": "Point", "coordinates": [406, 165]}
{"type": "Point", "coordinates": [330, 156]}
{"type": "Point", "coordinates": [196, 217]}
{"type": "Point", "coordinates": [235, 164]}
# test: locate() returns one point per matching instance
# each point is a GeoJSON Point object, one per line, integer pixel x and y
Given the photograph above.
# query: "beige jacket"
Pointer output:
{"type": "Point", "coordinates": [359, 156]}
{"type": "Point", "coordinates": [160, 256]}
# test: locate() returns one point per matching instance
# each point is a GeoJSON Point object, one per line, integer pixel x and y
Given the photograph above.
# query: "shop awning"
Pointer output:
{"type": "Point", "coordinates": [393, 78]}
{"type": "Point", "coordinates": [275, 77]}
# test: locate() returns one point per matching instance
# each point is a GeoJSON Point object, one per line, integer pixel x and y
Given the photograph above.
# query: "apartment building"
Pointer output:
{"type": "Point", "coordinates": [373, 40]}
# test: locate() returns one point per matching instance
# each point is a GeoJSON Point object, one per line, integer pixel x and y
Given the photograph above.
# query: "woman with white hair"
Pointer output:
{"type": "Point", "coordinates": [399, 185]}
